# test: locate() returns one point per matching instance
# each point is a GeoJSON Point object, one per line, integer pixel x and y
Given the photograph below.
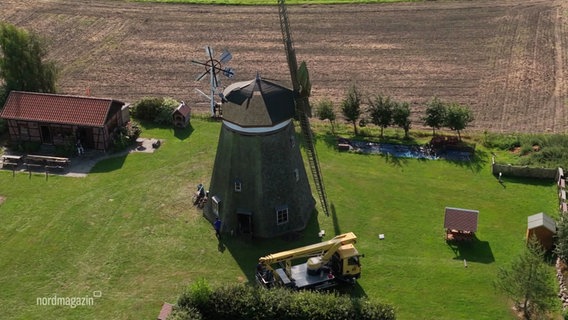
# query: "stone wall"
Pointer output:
{"type": "Point", "coordinates": [508, 170]}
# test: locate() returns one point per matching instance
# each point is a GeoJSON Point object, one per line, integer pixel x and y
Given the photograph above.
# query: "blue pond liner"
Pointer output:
{"type": "Point", "coordinates": [408, 151]}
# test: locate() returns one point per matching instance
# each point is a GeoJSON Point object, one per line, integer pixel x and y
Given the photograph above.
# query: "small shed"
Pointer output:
{"type": "Point", "coordinates": [181, 115]}
{"type": "Point", "coordinates": [543, 227]}
{"type": "Point", "coordinates": [460, 224]}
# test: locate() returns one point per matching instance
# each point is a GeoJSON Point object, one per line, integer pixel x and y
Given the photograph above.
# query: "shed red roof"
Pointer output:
{"type": "Point", "coordinates": [184, 109]}
{"type": "Point", "coordinates": [55, 108]}
{"type": "Point", "coordinates": [461, 219]}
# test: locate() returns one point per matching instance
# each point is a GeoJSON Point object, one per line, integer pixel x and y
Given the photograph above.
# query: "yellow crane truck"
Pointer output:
{"type": "Point", "coordinates": [329, 263]}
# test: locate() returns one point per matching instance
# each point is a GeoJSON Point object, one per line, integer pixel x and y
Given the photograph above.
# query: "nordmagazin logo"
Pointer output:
{"type": "Point", "coordinates": [66, 301]}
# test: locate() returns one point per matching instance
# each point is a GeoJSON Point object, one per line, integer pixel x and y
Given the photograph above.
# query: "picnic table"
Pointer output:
{"type": "Point", "coordinates": [459, 235]}
{"type": "Point", "coordinates": [11, 158]}
{"type": "Point", "coordinates": [48, 162]}
{"type": "Point", "coordinates": [11, 161]}
{"type": "Point", "coordinates": [47, 159]}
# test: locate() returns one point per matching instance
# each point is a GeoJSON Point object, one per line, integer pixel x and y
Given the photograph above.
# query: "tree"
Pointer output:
{"type": "Point", "coordinates": [401, 117]}
{"type": "Point", "coordinates": [324, 111]}
{"type": "Point", "coordinates": [528, 281]}
{"type": "Point", "coordinates": [351, 106]}
{"type": "Point", "coordinates": [22, 63]}
{"type": "Point", "coordinates": [458, 117]}
{"type": "Point", "coordinates": [435, 114]}
{"type": "Point", "coordinates": [381, 111]}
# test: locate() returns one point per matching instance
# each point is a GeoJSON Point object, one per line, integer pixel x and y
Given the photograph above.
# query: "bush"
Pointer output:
{"type": "Point", "coordinates": [157, 110]}
{"type": "Point", "coordinates": [26, 146]}
{"type": "Point", "coordinates": [501, 141]}
{"type": "Point", "coordinates": [125, 136]}
{"type": "Point", "coordinates": [247, 302]}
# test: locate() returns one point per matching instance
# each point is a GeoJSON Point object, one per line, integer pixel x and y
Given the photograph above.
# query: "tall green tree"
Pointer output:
{"type": "Point", "coordinates": [351, 106]}
{"type": "Point", "coordinates": [435, 114]}
{"type": "Point", "coordinates": [401, 117]}
{"type": "Point", "coordinates": [22, 62]}
{"type": "Point", "coordinates": [325, 111]}
{"type": "Point", "coordinates": [528, 281]}
{"type": "Point", "coordinates": [381, 112]}
{"type": "Point", "coordinates": [458, 117]}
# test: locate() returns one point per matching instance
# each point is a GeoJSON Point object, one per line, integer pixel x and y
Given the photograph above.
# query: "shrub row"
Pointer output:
{"type": "Point", "coordinates": [200, 302]}
{"type": "Point", "coordinates": [157, 110]}
{"type": "Point", "coordinates": [547, 150]}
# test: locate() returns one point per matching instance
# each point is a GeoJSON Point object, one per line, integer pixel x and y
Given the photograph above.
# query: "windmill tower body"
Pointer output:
{"type": "Point", "coordinates": [259, 184]}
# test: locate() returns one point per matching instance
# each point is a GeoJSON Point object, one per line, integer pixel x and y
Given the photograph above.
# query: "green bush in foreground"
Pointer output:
{"type": "Point", "coordinates": [247, 302]}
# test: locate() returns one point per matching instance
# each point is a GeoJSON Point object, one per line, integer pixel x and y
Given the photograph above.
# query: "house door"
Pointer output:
{"type": "Point", "coordinates": [244, 220]}
{"type": "Point", "coordinates": [46, 135]}
{"type": "Point", "coordinates": [85, 135]}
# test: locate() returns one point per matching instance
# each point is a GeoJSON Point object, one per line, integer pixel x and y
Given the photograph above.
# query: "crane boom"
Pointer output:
{"type": "Point", "coordinates": [326, 246]}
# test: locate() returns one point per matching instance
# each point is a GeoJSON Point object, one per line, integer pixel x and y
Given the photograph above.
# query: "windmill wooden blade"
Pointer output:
{"type": "Point", "coordinates": [301, 86]}
{"type": "Point", "coordinates": [201, 76]}
{"type": "Point", "coordinates": [225, 56]}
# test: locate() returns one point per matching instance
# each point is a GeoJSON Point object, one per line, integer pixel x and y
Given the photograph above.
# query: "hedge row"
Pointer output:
{"type": "Point", "coordinates": [200, 302]}
{"type": "Point", "coordinates": [157, 110]}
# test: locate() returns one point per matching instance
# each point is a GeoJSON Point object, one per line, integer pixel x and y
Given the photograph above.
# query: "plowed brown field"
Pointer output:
{"type": "Point", "coordinates": [506, 59]}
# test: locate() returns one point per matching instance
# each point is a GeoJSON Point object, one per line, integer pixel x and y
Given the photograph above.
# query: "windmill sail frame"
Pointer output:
{"type": "Point", "coordinates": [302, 103]}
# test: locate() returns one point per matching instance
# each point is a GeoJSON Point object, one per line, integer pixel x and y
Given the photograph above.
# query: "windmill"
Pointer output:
{"type": "Point", "coordinates": [212, 68]}
{"type": "Point", "coordinates": [259, 185]}
{"type": "Point", "coordinates": [302, 86]}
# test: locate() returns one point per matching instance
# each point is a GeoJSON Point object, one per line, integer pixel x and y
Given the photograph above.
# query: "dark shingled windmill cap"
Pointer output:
{"type": "Point", "coordinates": [257, 103]}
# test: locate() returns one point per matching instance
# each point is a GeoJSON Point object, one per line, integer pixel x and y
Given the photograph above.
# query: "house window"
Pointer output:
{"type": "Point", "coordinates": [282, 215]}
{"type": "Point", "coordinates": [238, 185]}
{"type": "Point", "coordinates": [216, 205]}
{"type": "Point", "coordinates": [297, 174]}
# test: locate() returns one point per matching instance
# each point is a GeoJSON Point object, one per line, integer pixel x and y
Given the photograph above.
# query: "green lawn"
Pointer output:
{"type": "Point", "coordinates": [129, 231]}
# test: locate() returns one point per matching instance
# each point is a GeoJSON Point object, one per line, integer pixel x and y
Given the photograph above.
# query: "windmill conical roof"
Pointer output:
{"type": "Point", "coordinates": [257, 103]}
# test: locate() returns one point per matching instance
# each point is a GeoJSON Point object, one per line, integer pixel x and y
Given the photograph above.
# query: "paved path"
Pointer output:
{"type": "Point", "coordinates": [81, 166]}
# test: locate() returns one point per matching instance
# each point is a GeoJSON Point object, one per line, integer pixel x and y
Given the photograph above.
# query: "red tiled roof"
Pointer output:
{"type": "Point", "coordinates": [55, 108]}
{"type": "Point", "coordinates": [461, 219]}
{"type": "Point", "coordinates": [167, 309]}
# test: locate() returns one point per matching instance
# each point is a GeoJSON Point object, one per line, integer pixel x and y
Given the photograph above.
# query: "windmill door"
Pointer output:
{"type": "Point", "coordinates": [244, 220]}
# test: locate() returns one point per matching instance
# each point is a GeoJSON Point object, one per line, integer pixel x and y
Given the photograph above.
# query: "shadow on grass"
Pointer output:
{"type": "Point", "coordinates": [109, 164]}
{"type": "Point", "coordinates": [246, 252]}
{"type": "Point", "coordinates": [336, 227]}
{"type": "Point", "coordinates": [476, 162]}
{"type": "Point", "coordinates": [528, 181]}
{"type": "Point", "coordinates": [354, 291]}
{"type": "Point", "coordinates": [183, 133]}
{"type": "Point", "coordinates": [474, 251]}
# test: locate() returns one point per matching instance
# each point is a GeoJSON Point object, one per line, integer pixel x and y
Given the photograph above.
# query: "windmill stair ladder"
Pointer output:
{"type": "Point", "coordinates": [313, 160]}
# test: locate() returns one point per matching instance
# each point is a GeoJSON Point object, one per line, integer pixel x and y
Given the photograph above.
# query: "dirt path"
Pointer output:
{"type": "Point", "coordinates": [505, 59]}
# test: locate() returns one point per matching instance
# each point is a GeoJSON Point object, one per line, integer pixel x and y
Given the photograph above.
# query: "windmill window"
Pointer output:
{"type": "Point", "coordinates": [238, 185]}
{"type": "Point", "coordinates": [297, 174]}
{"type": "Point", "coordinates": [216, 205]}
{"type": "Point", "coordinates": [282, 215]}
{"type": "Point", "coordinates": [292, 141]}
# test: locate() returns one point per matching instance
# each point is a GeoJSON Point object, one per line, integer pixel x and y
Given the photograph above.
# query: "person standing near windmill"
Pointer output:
{"type": "Point", "coordinates": [217, 227]}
